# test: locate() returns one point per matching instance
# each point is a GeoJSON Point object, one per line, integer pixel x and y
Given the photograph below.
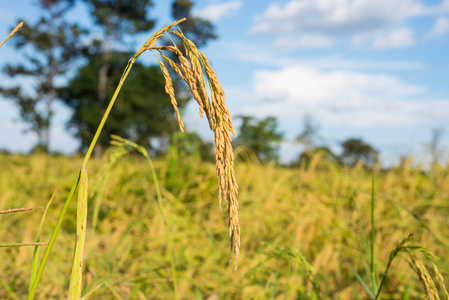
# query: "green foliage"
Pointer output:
{"type": "Point", "coordinates": [355, 150]}
{"type": "Point", "coordinates": [118, 18]}
{"type": "Point", "coordinates": [260, 136]}
{"type": "Point", "coordinates": [198, 30]}
{"type": "Point", "coordinates": [143, 109]}
{"type": "Point", "coordinates": [50, 46]}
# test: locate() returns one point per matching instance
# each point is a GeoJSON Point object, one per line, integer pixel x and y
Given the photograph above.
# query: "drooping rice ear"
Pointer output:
{"type": "Point", "coordinates": [195, 69]}
{"type": "Point", "coordinates": [170, 91]}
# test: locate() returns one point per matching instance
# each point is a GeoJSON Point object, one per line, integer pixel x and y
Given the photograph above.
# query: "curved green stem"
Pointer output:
{"type": "Point", "coordinates": [75, 185]}
{"type": "Point", "coordinates": [108, 110]}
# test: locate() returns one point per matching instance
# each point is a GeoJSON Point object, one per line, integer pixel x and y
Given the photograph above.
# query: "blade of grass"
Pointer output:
{"type": "Point", "coordinates": [76, 279]}
{"type": "Point", "coordinates": [360, 279]}
{"type": "Point", "coordinates": [373, 235]}
{"type": "Point", "coordinates": [275, 281]}
{"type": "Point", "coordinates": [142, 49]}
{"type": "Point", "coordinates": [52, 240]}
{"type": "Point", "coordinates": [34, 264]}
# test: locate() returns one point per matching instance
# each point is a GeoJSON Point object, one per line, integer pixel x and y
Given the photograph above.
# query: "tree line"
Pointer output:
{"type": "Point", "coordinates": [264, 138]}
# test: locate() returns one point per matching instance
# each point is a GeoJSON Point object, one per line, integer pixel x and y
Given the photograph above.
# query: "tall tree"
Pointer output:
{"type": "Point", "coordinates": [50, 46]}
{"type": "Point", "coordinates": [116, 19]}
{"type": "Point", "coordinates": [260, 136]}
{"type": "Point", "coordinates": [356, 150]}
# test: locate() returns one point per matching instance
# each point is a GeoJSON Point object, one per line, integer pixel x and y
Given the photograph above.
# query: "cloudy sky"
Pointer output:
{"type": "Point", "coordinates": [373, 69]}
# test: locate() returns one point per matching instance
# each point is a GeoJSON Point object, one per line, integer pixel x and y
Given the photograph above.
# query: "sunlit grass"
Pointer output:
{"type": "Point", "coordinates": [300, 228]}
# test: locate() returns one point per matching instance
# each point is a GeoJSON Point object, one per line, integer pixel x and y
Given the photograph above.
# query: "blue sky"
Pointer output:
{"type": "Point", "coordinates": [374, 69]}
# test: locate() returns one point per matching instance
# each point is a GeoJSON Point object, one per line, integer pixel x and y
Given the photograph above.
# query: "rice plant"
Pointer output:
{"type": "Point", "coordinates": [193, 69]}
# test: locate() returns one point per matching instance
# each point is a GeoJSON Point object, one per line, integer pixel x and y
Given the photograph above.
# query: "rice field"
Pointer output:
{"type": "Point", "coordinates": [305, 233]}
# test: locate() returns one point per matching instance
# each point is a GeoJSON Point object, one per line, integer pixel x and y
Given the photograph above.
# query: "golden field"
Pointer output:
{"type": "Point", "coordinates": [305, 232]}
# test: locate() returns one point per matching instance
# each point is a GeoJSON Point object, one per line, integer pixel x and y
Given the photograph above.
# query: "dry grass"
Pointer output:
{"type": "Point", "coordinates": [301, 228]}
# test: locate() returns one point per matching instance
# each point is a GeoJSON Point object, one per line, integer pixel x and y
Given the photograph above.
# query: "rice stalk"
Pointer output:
{"type": "Point", "coordinates": [40, 271]}
{"type": "Point", "coordinates": [194, 71]}
{"type": "Point", "coordinates": [35, 262]}
{"type": "Point", "coordinates": [4, 245]}
{"type": "Point", "coordinates": [20, 209]}
{"type": "Point", "coordinates": [15, 210]}
{"type": "Point", "coordinates": [219, 120]}
{"type": "Point", "coordinates": [151, 40]}
{"type": "Point", "coordinates": [220, 123]}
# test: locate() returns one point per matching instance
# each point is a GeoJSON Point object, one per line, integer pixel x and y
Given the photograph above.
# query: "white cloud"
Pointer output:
{"type": "Point", "coordinates": [379, 24]}
{"type": "Point", "coordinates": [444, 6]}
{"type": "Point", "coordinates": [396, 38]}
{"type": "Point", "coordinates": [441, 27]}
{"type": "Point", "coordinates": [269, 56]}
{"type": "Point", "coordinates": [215, 12]}
{"type": "Point", "coordinates": [305, 41]}
{"type": "Point", "coordinates": [335, 17]}
{"type": "Point", "coordinates": [344, 98]}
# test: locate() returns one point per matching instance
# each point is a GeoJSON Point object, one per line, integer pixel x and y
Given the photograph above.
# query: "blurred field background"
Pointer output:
{"type": "Point", "coordinates": [299, 228]}
{"type": "Point", "coordinates": [334, 118]}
